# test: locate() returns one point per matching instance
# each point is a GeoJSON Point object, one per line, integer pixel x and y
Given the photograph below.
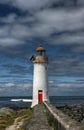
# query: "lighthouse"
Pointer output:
{"type": "Point", "coordinates": [40, 76]}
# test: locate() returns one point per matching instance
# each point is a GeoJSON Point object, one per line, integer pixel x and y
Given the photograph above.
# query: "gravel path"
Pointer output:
{"type": "Point", "coordinates": [38, 121]}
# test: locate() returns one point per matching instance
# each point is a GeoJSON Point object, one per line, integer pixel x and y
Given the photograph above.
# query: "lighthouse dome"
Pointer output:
{"type": "Point", "coordinates": [40, 48]}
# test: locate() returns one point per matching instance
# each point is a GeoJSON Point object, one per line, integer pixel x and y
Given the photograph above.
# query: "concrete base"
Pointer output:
{"type": "Point", "coordinates": [35, 102]}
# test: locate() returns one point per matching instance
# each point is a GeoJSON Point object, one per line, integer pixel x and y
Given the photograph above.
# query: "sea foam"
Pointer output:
{"type": "Point", "coordinates": [21, 100]}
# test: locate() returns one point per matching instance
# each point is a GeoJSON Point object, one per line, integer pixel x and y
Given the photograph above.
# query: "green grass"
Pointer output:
{"type": "Point", "coordinates": [50, 120]}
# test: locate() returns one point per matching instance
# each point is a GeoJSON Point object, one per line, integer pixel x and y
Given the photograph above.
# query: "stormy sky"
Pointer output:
{"type": "Point", "coordinates": [59, 26]}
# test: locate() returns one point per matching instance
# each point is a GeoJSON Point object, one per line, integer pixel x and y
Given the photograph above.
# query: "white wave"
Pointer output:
{"type": "Point", "coordinates": [23, 100]}
{"type": "Point", "coordinates": [27, 100]}
{"type": "Point", "coordinates": [16, 100]}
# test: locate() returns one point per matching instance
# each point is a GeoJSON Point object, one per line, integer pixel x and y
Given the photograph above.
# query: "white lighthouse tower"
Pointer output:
{"type": "Point", "coordinates": [40, 77]}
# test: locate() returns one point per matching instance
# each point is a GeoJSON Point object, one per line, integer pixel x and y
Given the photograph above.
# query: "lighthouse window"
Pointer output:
{"type": "Point", "coordinates": [41, 53]}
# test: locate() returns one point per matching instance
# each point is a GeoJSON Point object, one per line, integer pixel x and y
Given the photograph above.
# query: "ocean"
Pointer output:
{"type": "Point", "coordinates": [21, 102]}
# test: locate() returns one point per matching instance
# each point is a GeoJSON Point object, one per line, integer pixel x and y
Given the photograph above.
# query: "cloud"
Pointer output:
{"type": "Point", "coordinates": [10, 41]}
{"type": "Point", "coordinates": [13, 89]}
{"type": "Point", "coordinates": [66, 89]}
{"type": "Point", "coordinates": [21, 32]}
{"type": "Point", "coordinates": [35, 5]}
{"type": "Point", "coordinates": [48, 21]}
{"type": "Point", "coordinates": [31, 5]}
{"type": "Point", "coordinates": [53, 25]}
{"type": "Point", "coordinates": [9, 84]}
{"type": "Point", "coordinates": [59, 21]}
{"type": "Point", "coordinates": [55, 88]}
{"type": "Point", "coordinates": [46, 24]}
{"type": "Point", "coordinates": [9, 18]}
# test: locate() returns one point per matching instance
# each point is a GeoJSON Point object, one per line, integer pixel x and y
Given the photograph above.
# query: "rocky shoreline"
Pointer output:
{"type": "Point", "coordinates": [75, 112]}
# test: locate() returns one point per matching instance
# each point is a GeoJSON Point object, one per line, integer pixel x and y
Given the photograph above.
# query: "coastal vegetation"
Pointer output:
{"type": "Point", "coordinates": [50, 120]}
{"type": "Point", "coordinates": [9, 116]}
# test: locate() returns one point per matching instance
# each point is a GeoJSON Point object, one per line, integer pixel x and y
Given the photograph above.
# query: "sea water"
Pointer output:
{"type": "Point", "coordinates": [22, 102]}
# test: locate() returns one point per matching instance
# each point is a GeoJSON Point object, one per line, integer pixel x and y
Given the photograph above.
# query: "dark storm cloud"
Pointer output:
{"type": "Point", "coordinates": [38, 4]}
{"type": "Point", "coordinates": [70, 66]}
{"type": "Point", "coordinates": [6, 9]}
{"type": "Point", "coordinates": [43, 23]}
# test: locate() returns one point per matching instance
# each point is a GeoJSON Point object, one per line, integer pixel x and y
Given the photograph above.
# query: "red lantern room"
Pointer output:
{"type": "Point", "coordinates": [40, 56]}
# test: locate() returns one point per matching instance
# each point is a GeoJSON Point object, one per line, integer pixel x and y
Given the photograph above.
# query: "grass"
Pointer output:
{"type": "Point", "coordinates": [8, 118]}
{"type": "Point", "coordinates": [2, 126]}
{"type": "Point", "coordinates": [50, 120]}
{"type": "Point", "coordinates": [23, 114]}
{"type": "Point", "coordinates": [19, 129]}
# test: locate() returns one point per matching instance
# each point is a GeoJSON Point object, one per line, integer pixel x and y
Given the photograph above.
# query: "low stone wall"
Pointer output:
{"type": "Point", "coordinates": [62, 121]}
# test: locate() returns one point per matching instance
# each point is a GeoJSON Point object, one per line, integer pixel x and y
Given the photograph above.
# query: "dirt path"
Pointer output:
{"type": "Point", "coordinates": [12, 127]}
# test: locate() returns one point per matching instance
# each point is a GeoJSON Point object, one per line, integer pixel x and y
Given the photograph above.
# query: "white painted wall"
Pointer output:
{"type": "Point", "coordinates": [40, 82]}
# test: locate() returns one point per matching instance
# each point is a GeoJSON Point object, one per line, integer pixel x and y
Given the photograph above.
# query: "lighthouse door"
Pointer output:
{"type": "Point", "coordinates": [40, 95]}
